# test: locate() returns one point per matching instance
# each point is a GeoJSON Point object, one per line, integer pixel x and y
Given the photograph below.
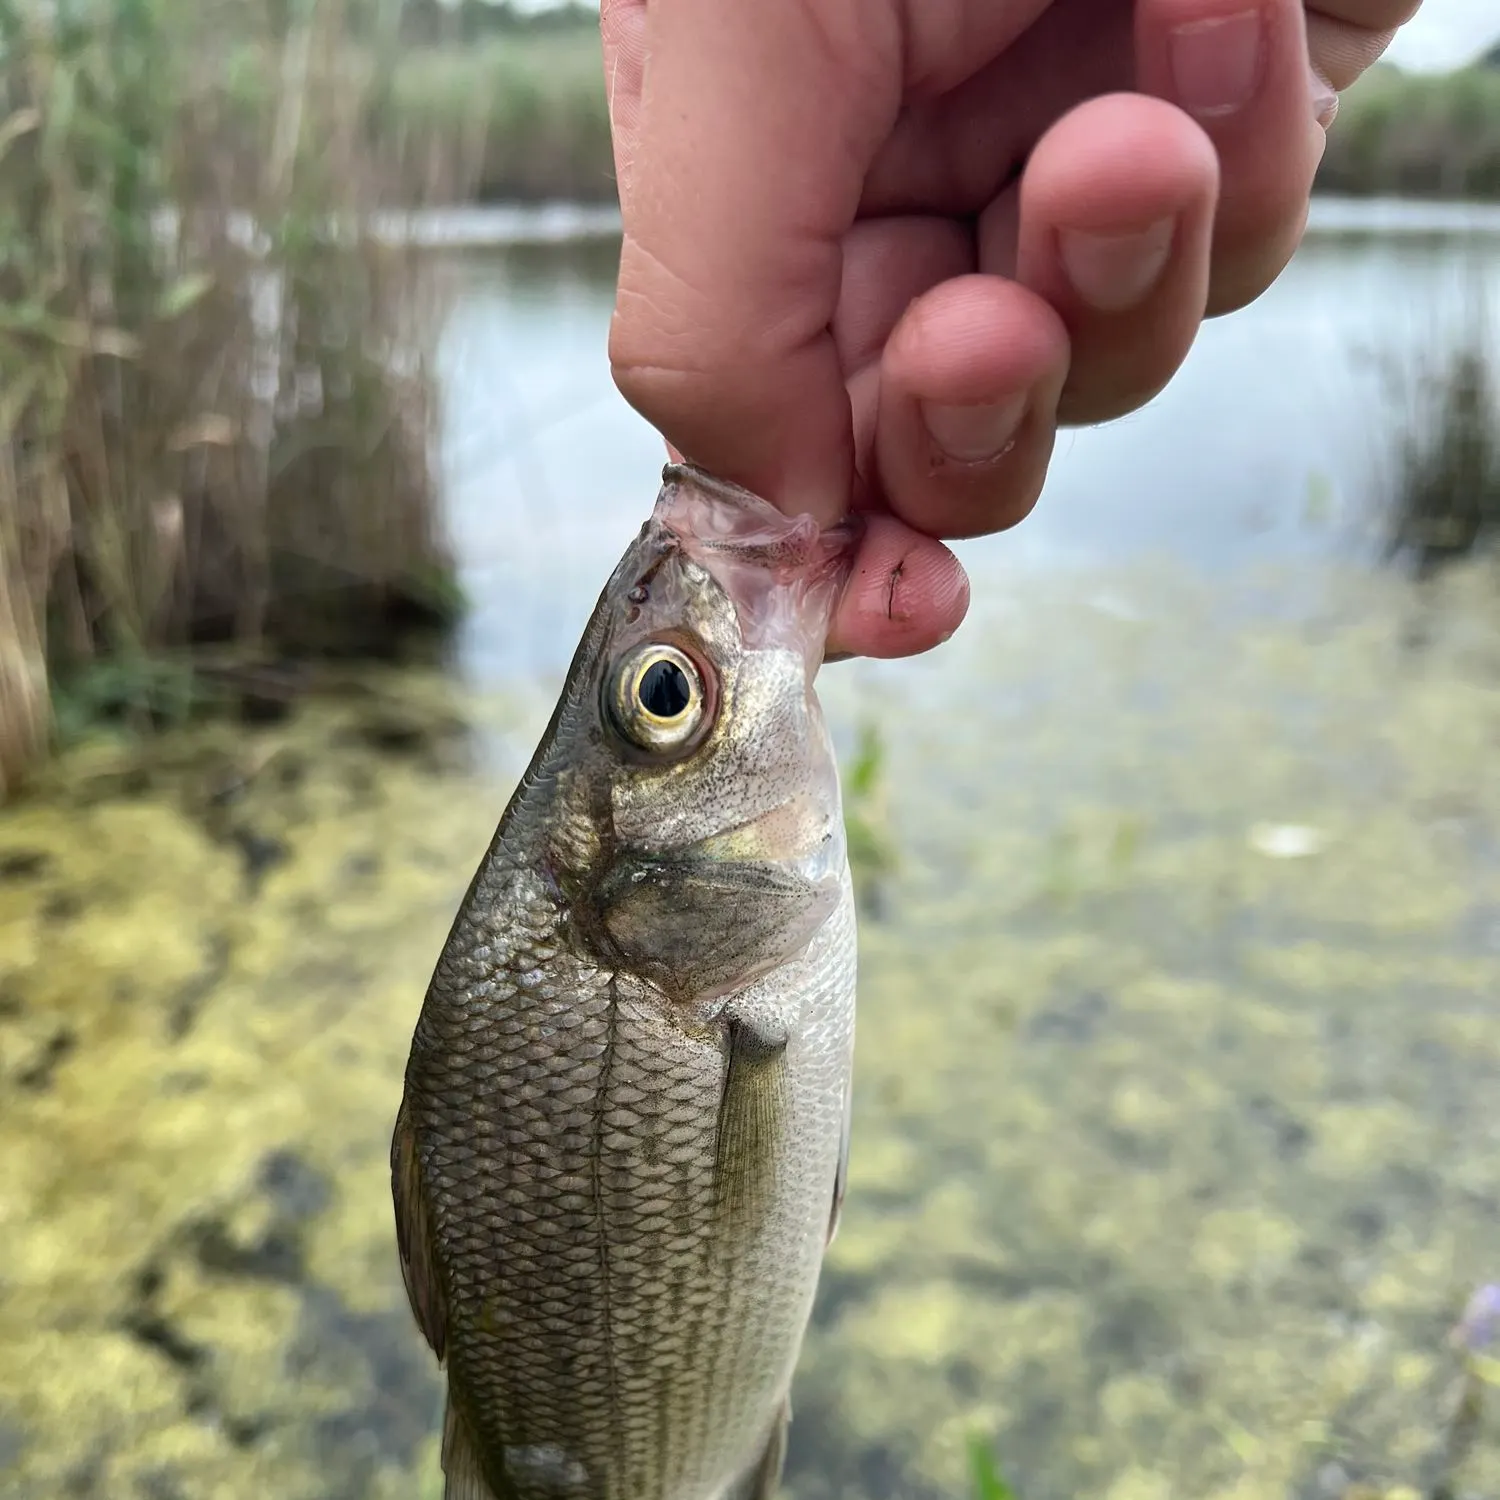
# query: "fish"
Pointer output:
{"type": "Point", "coordinates": [622, 1144]}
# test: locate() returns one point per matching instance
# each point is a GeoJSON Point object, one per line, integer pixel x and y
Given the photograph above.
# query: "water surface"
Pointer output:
{"type": "Point", "coordinates": [1275, 441]}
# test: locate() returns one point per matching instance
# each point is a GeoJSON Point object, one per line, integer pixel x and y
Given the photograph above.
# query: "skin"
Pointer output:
{"type": "Point", "coordinates": [877, 251]}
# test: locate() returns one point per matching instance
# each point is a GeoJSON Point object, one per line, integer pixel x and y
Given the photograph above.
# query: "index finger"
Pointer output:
{"type": "Point", "coordinates": [742, 161]}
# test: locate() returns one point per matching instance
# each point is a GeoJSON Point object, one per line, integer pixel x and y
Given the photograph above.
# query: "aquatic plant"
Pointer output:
{"type": "Point", "coordinates": [214, 413]}
{"type": "Point", "coordinates": [872, 847]}
{"type": "Point", "coordinates": [989, 1482]}
{"type": "Point", "coordinates": [1446, 495]}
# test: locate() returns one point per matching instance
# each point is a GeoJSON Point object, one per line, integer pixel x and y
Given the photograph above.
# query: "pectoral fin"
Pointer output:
{"type": "Point", "coordinates": [753, 1109]}
{"type": "Point", "coordinates": [841, 1172]}
{"type": "Point", "coordinates": [414, 1235]}
{"type": "Point", "coordinates": [702, 927]}
{"type": "Point", "coordinates": [761, 1479]}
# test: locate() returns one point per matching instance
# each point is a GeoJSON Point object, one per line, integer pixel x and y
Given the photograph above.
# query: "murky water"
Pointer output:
{"type": "Point", "coordinates": [1176, 1146]}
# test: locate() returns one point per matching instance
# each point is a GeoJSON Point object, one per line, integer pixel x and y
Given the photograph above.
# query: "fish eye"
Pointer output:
{"type": "Point", "coordinates": [658, 702]}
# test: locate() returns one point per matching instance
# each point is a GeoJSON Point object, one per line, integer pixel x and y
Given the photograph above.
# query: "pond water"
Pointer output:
{"type": "Point", "coordinates": [1176, 1148]}
{"type": "Point", "coordinates": [1275, 443]}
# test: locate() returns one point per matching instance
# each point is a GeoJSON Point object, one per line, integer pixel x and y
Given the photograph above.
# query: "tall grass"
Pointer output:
{"type": "Point", "coordinates": [208, 432]}
{"type": "Point", "coordinates": [1445, 497]}
{"type": "Point", "coordinates": [525, 115]}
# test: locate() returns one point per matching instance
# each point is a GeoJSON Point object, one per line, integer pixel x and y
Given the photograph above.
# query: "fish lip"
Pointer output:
{"type": "Point", "coordinates": [785, 574]}
{"type": "Point", "coordinates": [759, 531]}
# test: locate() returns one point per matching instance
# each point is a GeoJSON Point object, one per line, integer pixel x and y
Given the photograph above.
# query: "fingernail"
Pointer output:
{"type": "Point", "coordinates": [1115, 272]}
{"type": "Point", "coordinates": [974, 434]}
{"type": "Point", "coordinates": [1216, 64]}
{"type": "Point", "coordinates": [1325, 99]}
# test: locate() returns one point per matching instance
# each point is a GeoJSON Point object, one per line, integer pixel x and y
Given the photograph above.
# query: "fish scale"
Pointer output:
{"type": "Point", "coordinates": [618, 1156]}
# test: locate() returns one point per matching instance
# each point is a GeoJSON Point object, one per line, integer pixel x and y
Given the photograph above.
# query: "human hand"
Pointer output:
{"type": "Point", "coordinates": [878, 250]}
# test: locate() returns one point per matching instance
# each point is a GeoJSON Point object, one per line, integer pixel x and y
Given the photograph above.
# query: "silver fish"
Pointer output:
{"type": "Point", "coordinates": [621, 1149]}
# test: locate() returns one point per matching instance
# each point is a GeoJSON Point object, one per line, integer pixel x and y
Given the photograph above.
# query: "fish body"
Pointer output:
{"type": "Point", "coordinates": [620, 1151]}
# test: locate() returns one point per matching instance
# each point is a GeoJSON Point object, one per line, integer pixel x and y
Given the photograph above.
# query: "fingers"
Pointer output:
{"type": "Point", "coordinates": [1369, 15]}
{"type": "Point", "coordinates": [622, 29]}
{"type": "Point", "coordinates": [967, 398]}
{"type": "Point", "coordinates": [1116, 220]}
{"type": "Point", "coordinates": [1240, 68]}
{"type": "Point", "coordinates": [1340, 52]}
{"type": "Point", "coordinates": [907, 593]}
{"type": "Point", "coordinates": [888, 264]}
{"type": "Point", "coordinates": [730, 267]}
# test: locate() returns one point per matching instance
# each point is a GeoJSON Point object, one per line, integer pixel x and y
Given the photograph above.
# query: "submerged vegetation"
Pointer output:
{"type": "Point", "coordinates": [1175, 1189]}
{"type": "Point", "coordinates": [873, 856]}
{"type": "Point", "coordinates": [214, 422]}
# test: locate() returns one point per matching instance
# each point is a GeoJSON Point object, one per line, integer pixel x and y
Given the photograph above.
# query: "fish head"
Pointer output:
{"type": "Point", "coordinates": [698, 833]}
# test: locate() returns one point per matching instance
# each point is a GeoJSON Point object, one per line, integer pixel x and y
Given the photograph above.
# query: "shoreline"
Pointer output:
{"type": "Point", "coordinates": [564, 222]}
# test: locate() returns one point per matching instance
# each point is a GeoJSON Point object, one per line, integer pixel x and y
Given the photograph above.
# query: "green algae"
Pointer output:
{"type": "Point", "coordinates": [1173, 1158]}
{"type": "Point", "coordinates": [202, 1046]}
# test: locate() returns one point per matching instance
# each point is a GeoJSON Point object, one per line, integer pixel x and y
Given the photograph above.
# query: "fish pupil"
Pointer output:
{"type": "Point", "coordinates": [665, 691]}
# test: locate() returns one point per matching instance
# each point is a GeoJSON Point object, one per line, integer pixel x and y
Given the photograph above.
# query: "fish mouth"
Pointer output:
{"type": "Point", "coordinates": [727, 518]}
{"type": "Point", "coordinates": [783, 573]}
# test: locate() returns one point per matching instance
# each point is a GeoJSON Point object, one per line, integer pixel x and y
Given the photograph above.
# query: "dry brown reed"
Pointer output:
{"type": "Point", "coordinates": [214, 378]}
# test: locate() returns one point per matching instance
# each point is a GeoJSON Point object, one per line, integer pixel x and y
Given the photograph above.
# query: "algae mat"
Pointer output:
{"type": "Point", "coordinates": [1175, 1149]}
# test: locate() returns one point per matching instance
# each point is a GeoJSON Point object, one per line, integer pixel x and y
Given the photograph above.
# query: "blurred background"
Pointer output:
{"type": "Point", "coordinates": [1177, 1153]}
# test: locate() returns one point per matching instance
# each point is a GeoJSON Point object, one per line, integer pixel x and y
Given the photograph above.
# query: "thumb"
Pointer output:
{"type": "Point", "coordinates": [622, 29]}
{"type": "Point", "coordinates": [742, 138]}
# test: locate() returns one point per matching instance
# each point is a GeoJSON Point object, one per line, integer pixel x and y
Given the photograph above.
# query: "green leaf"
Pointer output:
{"type": "Point", "coordinates": [183, 294]}
{"type": "Point", "coordinates": [989, 1482]}
{"type": "Point", "coordinates": [869, 761]}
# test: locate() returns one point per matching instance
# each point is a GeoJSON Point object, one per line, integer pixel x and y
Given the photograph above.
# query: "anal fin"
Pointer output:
{"type": "Point", "coordinates": [463, 1477]}
{"type": "Point", "coordinates": [761, 1480]}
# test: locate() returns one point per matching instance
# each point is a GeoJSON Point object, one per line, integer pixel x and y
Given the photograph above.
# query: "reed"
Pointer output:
{"type": "Point", "coordinates": [1444, 500]}
{"type": "Point", "coordinates": [214, 407]}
